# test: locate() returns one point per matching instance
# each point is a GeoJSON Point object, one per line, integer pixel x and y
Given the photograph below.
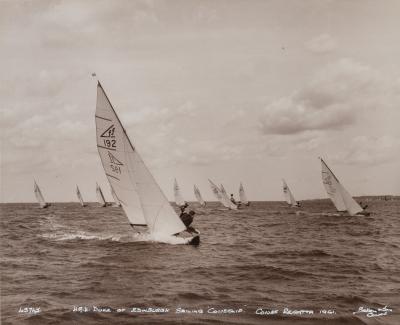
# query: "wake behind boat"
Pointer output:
{"type": "Point", "coordinates": [142, 200]}
{"type": "Point", "coordinates": [339, 196]}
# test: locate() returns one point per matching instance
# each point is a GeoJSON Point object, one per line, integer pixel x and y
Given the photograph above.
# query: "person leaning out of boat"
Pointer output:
{"type": "Point", "coordinates": [233, 199]}
{"type": "Point", "coordinates": [187, 219]}
{"type": "Point", "coordinates": [183, 207]}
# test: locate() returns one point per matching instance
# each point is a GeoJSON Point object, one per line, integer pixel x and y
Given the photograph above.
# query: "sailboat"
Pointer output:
{"type": "Point", "coordinates": [242, 195]}
{"type": "Point", "coordinates": [178, 195]}
{"type": "Point", "coordinates": [39, 196]}
{"type": "Point", "coordinates": [218, 195]}
{"type": "Point", "coordinates": [79, 195]}
{"type": "Point", "coordinates": [339, 196]}
{"type": "Point", "coordinates": [198, 196]}
{"type": "Point", "coordinates": [288, 195]}
{"type": "Point", "coordinates": [114, 195]}
{"type": "Point", "coordinates": [142, 199]}
{"type": "Point", "coordinates": [226, 199]}
{"type": "Point", "coordinates": [100, 196]}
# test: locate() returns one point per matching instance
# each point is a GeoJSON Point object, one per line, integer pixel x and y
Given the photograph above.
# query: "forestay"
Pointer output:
{"type": "Point", "coordinates": [140, 196]}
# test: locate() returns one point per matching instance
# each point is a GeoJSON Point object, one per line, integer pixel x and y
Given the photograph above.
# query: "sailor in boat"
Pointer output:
{"type": "Point", "coordinates": [187, 219]}
{"type": "Point", "coordinates": [298, 204]}
{"type": "Point", "coordinates": [237, 203]}
{"type": "Point", "coordinates": [183, 207]}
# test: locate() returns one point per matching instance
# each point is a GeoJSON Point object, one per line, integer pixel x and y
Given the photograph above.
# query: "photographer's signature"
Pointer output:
{"type": "Point", "coordinates": [373, 312]}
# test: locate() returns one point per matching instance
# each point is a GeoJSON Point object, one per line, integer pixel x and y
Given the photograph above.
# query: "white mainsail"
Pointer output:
{"type": "Point", "coordinates": [242, 195]}
{"type": "Point", "coordinates": [178, 195]}
{"type": "Point", "coordinates": [198, 196]}
{"type": "Point", "coordinates": [114, 195]}
{"type": "Point", "coordinates": [337, 193]}
{"type": "Point", "coordinates": [79, 195]}
{"type": "Point", "coordinates": [39, 196]}
{"type": "Point", "coordinates": [100, 196]}
{"type": "Point", "coordinates": [288, 194]}
{"type": "Point", "coordinates": [142, 199]}
{"type": "Point", "coordinates": [218, 195]}
{"type": "Point", "coordinates": [228, 202]}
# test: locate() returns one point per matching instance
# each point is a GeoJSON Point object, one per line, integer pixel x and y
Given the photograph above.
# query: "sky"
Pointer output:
{"type": "Point", "coordinates": [235, 91]}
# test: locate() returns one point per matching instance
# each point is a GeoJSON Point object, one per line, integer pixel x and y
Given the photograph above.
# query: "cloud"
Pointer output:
{"type": "Point", "coordinates": [368, 151]}
{"type": "Point", "coordinates": [334, 99]}
{"type": "Point", "coordinates": [321, 44]}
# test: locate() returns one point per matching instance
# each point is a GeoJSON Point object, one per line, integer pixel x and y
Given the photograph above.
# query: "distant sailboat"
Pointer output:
{"type": "Point", "coordinates": [229, 203]}
{"type": "Point", "coordinates": [339, 196]}
{"type": "Point", "coordinates": [218, 194]}
{"type": "Point", "coordinates": [79, 195]}
{"type": "Point", "coordinates": [143, 201]}
{"type": "Point", "coordinates": [116, 200]}
{"type": "Point", "coordinates": [100, 196]}
{"type": "Point", "coordinates": [178, 195]}
{"type": "Point", "coordinates": [288, 195]}
{"type": "Point", "coordinates": [39, 196]}
{"type": "Point", "coordinates": [198, 196]}
{"type": "Point", "coordinates": [243, 196]}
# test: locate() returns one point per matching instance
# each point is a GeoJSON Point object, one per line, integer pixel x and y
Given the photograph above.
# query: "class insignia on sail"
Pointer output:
{"type": "Point", "coordinates": [141, 198]}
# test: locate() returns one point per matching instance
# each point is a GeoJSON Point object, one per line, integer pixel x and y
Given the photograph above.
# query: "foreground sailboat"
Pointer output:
{"type": "Point", "coordinates": [79, 195]}
{"type": "Point", "coordinates": [100, 196]}
{"type": "Point", "coordinates": [243, 196]}
{"type": "Point", "coordinates": [178, 195]}
{"type": "Point", "coordinates": [289, 196]}
{"type": "Point", "coordinates": [39, 196]}
{"type": "Point", "coordinates": [339, 196]}
{"type": "Point", "coordinates": [198, 196]}
{"type": "Point", "coordinates": [142, 200]}
{"type": "Point", "coordinates": [117, 203]}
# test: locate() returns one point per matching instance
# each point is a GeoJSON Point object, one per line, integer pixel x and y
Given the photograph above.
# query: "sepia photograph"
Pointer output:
{"type": "Point", "coordinates": [201, 162]}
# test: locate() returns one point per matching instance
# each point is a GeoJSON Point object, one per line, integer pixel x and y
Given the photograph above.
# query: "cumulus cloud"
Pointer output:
{"type": "Point", "coordinates": [368, 150]}
{"type": "Point", "coordinates": [334, 99]}
{"type": "Point", "coordinates": [321, 44]}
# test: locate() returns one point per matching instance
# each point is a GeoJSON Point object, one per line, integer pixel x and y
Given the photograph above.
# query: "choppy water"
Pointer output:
{"type": "Point", "coordinates": [263, 256]}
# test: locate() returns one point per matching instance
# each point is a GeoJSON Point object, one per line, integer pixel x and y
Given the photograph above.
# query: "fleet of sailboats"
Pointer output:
{"type": "Point", "coordinates": [134, 188]}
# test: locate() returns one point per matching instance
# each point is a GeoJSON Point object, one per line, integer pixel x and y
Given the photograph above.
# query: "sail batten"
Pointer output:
{"type": "Point", "coordinates": [339, 196]}
{"type": "Point", "coordinates": [141, 198]}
